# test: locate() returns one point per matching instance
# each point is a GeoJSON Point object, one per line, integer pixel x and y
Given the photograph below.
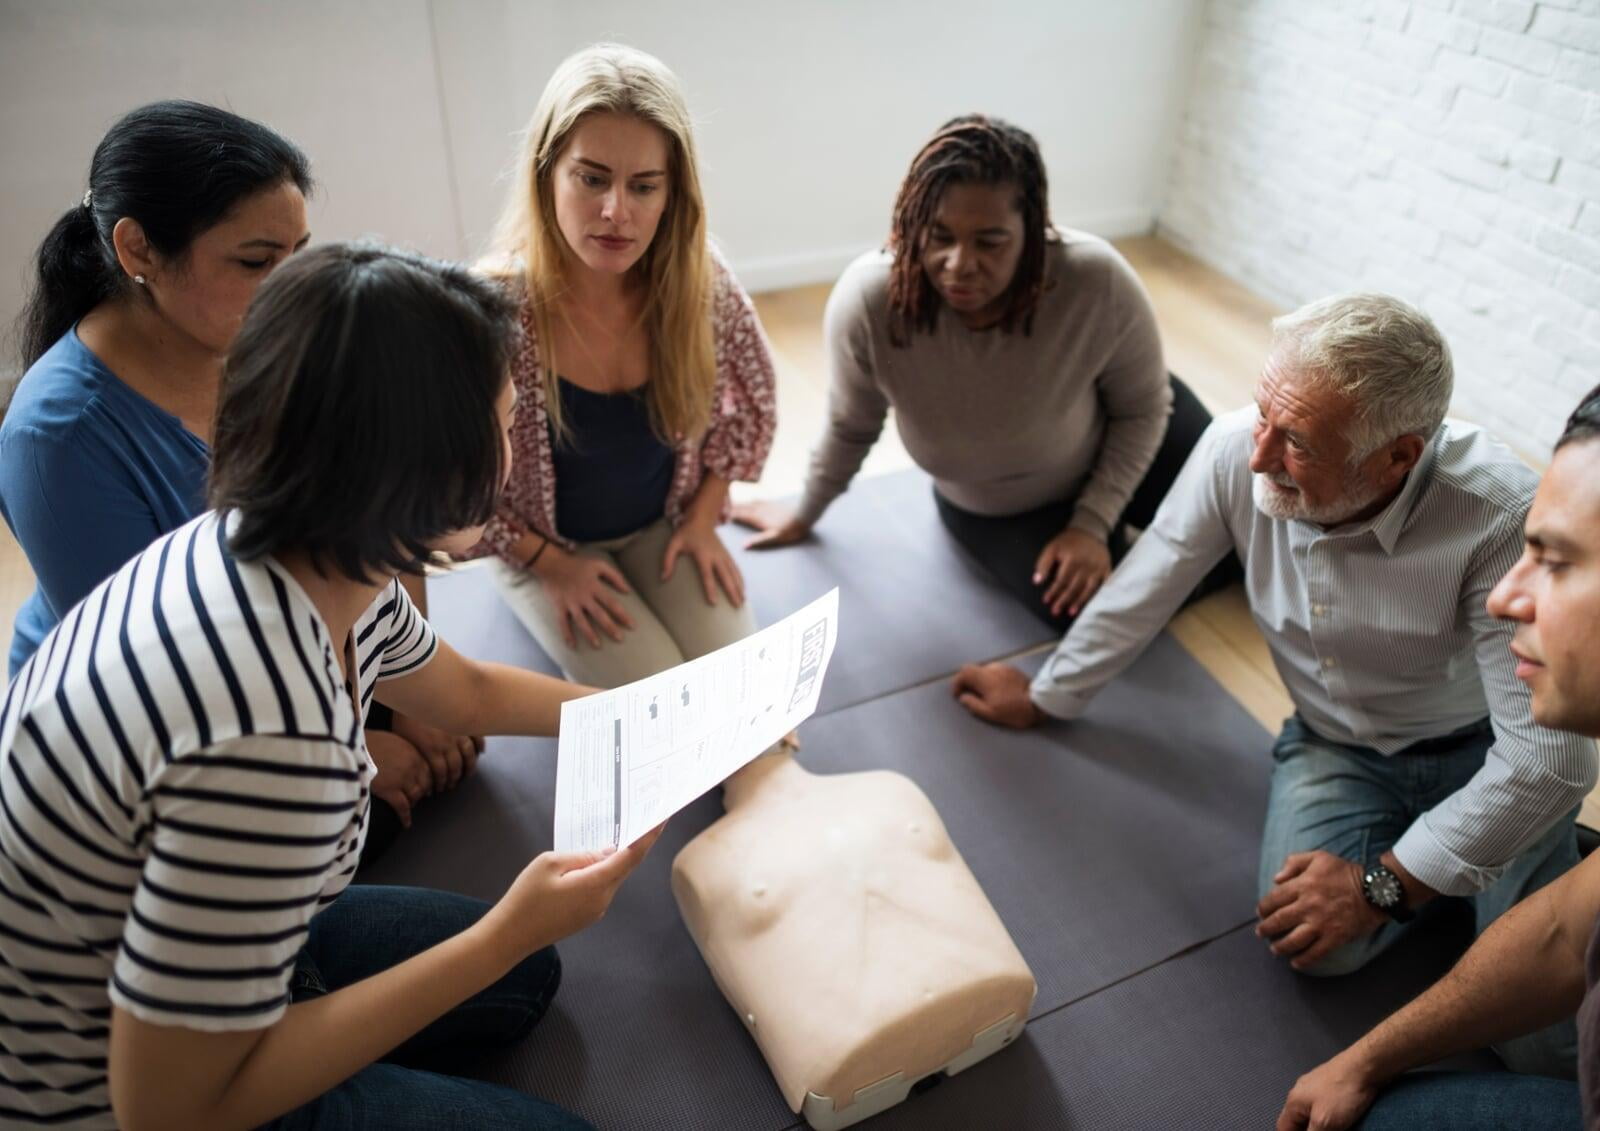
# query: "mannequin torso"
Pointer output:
{"type": "Point", "coordinates": [845, 929]}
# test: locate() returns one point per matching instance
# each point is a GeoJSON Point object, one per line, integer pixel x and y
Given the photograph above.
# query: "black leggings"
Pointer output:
{"type": "Point", "coordinates": [1008, 546]}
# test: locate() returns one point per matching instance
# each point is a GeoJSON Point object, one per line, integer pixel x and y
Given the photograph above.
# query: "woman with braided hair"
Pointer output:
{"type": "Point", "coordinates": [1024, 368]}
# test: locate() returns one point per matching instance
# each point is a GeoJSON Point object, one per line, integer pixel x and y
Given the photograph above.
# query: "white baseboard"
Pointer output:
{"type": "Point", "coordinates": [779, 272]}
{"type": "Point", "coordinates": [801, 269]}
{"type": "Point", "coordinates": [1112, 224]}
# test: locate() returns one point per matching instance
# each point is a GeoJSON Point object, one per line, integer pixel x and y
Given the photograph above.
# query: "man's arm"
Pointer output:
{"type": "Point", "coordinates": [1188, 536]}
{"type": "Point", "coordinates": [1525, 972]}
{"type": "Point", "coordinates": [1531, 777]}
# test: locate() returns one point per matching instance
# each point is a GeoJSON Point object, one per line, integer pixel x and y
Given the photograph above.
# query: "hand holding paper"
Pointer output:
{"type": "Point", "coordinates": [631, 757]}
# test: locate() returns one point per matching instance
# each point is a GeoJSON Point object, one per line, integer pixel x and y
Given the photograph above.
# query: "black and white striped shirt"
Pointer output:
{"type": "Point", "coordinates": [1378, 629]}
{"type": "Point", "coordinates": [183, 784]}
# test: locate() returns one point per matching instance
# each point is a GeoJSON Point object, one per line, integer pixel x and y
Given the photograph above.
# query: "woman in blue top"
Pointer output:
{"type": "Point", "coordinates": [141, 288]}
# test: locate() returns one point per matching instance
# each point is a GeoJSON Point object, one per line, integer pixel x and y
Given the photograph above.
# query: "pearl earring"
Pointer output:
{"type": "Point", "coordinates": [139, 279]}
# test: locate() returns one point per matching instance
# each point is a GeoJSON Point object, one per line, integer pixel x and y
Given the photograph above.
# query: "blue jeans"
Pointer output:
{"type": "Point", "coordinates": [1355, 802]}
{"type": "Point", "coordinates": [367, 930]}
{"type": "Point", "coordinates": [1475, 1101]}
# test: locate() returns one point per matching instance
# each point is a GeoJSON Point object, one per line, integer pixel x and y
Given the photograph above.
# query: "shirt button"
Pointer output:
{"type": "Point", "coordinates": [1319, 610]}
{"type": "Point", "coordinates": [1330, 662]}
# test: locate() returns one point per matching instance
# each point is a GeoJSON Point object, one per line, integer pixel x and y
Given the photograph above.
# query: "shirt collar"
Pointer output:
{"type": "Point", "coordinates": [1388, 524]}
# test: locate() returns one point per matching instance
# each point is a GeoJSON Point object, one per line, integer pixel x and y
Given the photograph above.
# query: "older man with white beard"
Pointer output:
{"type": "Point", "coordinates": [1372, 531]}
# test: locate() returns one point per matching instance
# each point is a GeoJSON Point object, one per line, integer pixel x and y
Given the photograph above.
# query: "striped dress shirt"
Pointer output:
{"type": "Point", "coordinates": [183, 785]}
{"type": "Point", "coordinates": [1378, 630]}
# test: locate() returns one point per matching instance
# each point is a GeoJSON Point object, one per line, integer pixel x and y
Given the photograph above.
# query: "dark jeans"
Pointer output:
{"type": "Point", "coordinates": [369, 929]}
{"type": "Point", "coordinates": [1008, 546]}
{"type": "Point", "coordinates": [1475, 1101]}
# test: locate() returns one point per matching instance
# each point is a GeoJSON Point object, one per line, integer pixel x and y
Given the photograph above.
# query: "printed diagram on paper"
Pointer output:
{"type": "Point", "coordinates": [630, 758]}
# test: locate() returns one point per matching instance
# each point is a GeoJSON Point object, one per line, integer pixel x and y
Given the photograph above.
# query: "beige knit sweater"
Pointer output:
{"type": "Point", "coordinates": [1003, 422]}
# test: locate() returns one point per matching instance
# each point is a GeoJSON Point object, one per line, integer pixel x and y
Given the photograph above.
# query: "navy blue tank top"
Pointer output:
{"type": "Point", "coordinates": [613, 473]}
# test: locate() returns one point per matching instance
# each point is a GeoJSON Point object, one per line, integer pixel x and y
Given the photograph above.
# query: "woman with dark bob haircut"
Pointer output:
{"type": "Point", "coordinates": [185, 776]}
{"type": "Point", "coordinates": [140, 288]}
{"type": "Point", "coordinates": [1024, 368]}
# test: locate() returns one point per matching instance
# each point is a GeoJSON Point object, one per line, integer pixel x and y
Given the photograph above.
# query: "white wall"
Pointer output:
{"type": "Point", "coordinates": [353, 83]}
{"type": "Point", "coordinates": [1447, 151]}
{"type": "Point", "coordinates": [808, 112]}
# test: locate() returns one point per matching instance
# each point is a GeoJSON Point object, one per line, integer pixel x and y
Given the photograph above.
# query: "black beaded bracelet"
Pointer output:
{"type": "Point", "coordinates": [534, 557]}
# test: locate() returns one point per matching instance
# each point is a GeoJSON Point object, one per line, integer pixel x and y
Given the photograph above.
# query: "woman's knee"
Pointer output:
{"type": "Point", "coordinates": [507, 1011]}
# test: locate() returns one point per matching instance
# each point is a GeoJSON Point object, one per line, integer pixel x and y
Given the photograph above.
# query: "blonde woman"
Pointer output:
{"type": "Point", "coordinates": [645, 376]}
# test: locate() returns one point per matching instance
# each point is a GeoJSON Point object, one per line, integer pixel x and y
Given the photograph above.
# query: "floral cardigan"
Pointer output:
{"type": "Point", "coordinates": [734, 445]}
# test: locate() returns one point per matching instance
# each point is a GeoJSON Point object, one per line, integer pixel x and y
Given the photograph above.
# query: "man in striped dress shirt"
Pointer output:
{"type": "Point", "coordinates": [1372, 531]}
{"type": "Point", "coordinates": [1542, 960]}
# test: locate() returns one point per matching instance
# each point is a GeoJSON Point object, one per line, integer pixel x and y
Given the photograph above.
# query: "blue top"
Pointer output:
{"type": "Point", "coordinates": [613, 475]}
{"type": "Point", "coordinates": [90, 474]}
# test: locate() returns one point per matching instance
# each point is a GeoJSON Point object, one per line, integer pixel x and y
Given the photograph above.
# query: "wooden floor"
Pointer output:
{"type": "Point", "coordinates": [1215, 334]}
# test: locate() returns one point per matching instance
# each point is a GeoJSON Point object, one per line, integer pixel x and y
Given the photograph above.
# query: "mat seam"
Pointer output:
{"type": "Point", "coordinates": [1006, 657]}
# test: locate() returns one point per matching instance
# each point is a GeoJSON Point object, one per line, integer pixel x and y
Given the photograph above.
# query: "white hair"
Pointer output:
{"type": "Point", "coordinates": [1385, 355]}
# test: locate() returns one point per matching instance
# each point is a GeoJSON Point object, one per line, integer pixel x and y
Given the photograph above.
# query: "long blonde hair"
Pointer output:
{"type": "Point", "coordinates": [675, 269]}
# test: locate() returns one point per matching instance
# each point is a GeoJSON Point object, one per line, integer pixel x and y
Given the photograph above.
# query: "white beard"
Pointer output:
{"type": "Point", "coordinates": [1276, 497]}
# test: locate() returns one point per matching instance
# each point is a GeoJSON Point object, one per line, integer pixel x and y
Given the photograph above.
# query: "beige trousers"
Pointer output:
{"type": "Point", "coordinates": [671, 620]}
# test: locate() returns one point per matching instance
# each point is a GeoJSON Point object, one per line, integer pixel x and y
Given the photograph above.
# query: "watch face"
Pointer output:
{"type": "Point", "coordinates": [1383, 888]}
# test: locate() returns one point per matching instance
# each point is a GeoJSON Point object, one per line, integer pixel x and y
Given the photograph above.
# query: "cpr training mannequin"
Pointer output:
{"type": "Point", "coordinates": [847, 932]}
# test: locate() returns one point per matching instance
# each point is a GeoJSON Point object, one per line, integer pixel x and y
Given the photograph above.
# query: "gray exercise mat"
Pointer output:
{"type": "Point", "coordinates": [912, 606]}
{"type": "Point", "coordinates": [1106, 846]}
{"type": "Point", "coordinates": [464, 606]}
{"type": "Point", "coordinates": [639, 1038]}
{"type": "Point", "coordinates": [1213, 1038]}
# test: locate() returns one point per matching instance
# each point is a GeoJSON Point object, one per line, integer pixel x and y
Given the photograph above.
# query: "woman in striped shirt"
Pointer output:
{"type": "Point", "coordinates": [184, 784]}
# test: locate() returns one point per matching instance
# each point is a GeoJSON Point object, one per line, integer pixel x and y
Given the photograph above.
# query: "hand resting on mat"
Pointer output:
{"type": "Point", "coordinates": [997, 693]}
{"type": "Point", "coordinates": [775, 525]}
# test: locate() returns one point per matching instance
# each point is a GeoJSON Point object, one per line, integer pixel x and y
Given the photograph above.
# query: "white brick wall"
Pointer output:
{"type": "Point", "coordinates": [1446, 151]}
